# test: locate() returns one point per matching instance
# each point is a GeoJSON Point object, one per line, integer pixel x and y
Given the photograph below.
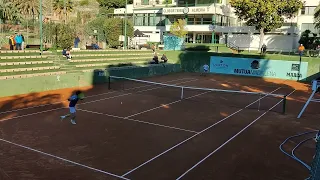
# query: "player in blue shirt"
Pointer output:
{"type": "Point", "coordinates": [72, 106]}
{"type": "Point", "coordinates": [205, 69]}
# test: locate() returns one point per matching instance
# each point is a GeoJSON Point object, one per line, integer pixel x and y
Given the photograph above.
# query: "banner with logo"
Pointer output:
{"type": "Point", "coordinates": [259, 67]}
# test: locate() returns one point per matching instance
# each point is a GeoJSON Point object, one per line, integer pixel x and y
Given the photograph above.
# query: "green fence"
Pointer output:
{"type": "Point", "coordinates": [44, 83]}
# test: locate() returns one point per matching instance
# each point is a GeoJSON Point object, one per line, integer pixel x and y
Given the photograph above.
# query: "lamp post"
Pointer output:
{"type": "Point", "coordinates": [40, 19]}
{"type": "Point", "coordinates": [125, 27]}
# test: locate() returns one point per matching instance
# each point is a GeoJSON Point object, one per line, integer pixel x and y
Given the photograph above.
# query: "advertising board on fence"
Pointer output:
{"type": "Point", "coordinates": [259, 67]}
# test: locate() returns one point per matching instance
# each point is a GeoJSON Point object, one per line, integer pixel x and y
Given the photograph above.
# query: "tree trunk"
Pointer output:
{"type": "Point", "coordinates": [261, 38]}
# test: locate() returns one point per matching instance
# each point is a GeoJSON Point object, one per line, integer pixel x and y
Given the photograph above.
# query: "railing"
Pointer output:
{"type": "Point", "coordinates": [233, 46]}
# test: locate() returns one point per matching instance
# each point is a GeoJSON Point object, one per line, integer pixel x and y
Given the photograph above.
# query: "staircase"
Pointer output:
{"type": "Point", "coordinates": [234, 48]}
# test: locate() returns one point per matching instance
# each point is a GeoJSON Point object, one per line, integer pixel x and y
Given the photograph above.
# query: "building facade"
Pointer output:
{"type": "Point", "coordinates": [213, 21]}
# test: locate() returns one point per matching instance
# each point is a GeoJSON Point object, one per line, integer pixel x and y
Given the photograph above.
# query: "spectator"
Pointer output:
{"type": "Point", "coordinates": [318, 49]}
{"type": "Point", "coordinates": [11, 42]}
{"type": "Point", "coordinates": [164, 58]}
{"type": "Point", "coordinates": [76, 42]}
{"type": "Point", "coordinates": [18, 40]}
{"type": "Point", "coordinates": [264, 48]}
{"type": "Point", "coordinates": [301, 49]}
{"type": "Point", "coordinates": [95, 46]}
{"type": "Point", "coordinates": [22, 44]}
{"type": "Point", "coordinates": [155, 59]}
{"type": "Point", "coordinates": [66, 52]}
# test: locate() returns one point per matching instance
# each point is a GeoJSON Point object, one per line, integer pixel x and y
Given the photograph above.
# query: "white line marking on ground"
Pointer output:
{"type": "Point", "coordinates": [25, 115]}
{"type": "Point", "coordinates": [62, 159]}
{"type": "Point", "coordinates": [166, 104]}
{"type": "Point", "coordinates": [128, 119]}
{"type": "Point", "coordinates": [182, 142]}
{"type": "Point", "coordinates": [230, 139]}
{"type": "Point", "coordinates": [21, 109]}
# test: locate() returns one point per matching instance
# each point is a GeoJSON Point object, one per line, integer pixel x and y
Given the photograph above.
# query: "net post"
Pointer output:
{"type": "Point", "coordinates": [284, 104]}
{"type": "Point", "coordinates": [109, 82]}
{"type": "Point", "coordinates": [181, 93]}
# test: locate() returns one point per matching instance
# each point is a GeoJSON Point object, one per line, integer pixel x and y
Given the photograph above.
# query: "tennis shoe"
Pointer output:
{"type": "Point", "coordinates": [73, 122]}
{"type": "Point", "coordinates": [62, 117]}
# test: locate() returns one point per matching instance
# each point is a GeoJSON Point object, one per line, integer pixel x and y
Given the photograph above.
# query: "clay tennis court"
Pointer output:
{"type": "Point", "coordinates": [145, 131]}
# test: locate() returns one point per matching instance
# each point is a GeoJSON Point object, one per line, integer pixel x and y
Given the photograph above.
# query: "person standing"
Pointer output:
{"type": "Point", "coordinates": [76, 42]}
{"type": "Point", "coordinates": [22, 44]}
{"type": "Point", "coordinates": [18, 40]}
{"type": "Point", "coordinates": [301, 49]}
{"type": "Point", "coordinates": [11, 42]}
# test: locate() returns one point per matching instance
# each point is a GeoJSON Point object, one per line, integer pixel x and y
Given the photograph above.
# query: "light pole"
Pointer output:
{"type": "Point", "coordinates": [40, 19]}
{"type": "Point", "coordinates": [125, 27]}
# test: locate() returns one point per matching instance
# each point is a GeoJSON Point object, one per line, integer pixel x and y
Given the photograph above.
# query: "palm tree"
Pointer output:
{"type": "Point", "coordinates": [8, 11]}
{"type": "Point", "coordinates": [29, 7]}
{"type": "Point", "coordinates": [60, 5]}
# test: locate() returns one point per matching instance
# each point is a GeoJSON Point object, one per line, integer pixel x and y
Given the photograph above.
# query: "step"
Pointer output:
{"type": "Point", "coordinates": [29, 69]}
{"type": "Point", "coordinates": [111, 59]}
{"type": "Point", "coordinates": [32, 75]}
{"type": "Point", "coordinates": [102, 55]}
{"type": "Point", "coordinates": [22, 57]}
{"type": "Point", "coordinates": [102, 64]}
{"type": "Point", "coordinates": [25, 63]}
{"type": "Point", "coordinates": [106, 50]}
{"type": "Point", "coordinates": [15, 51]}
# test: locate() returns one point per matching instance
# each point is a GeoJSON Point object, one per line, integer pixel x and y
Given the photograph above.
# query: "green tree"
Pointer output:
{"type": "Point", "coordinates": [28, 8]}
{"type": "Point", "coordinates": [58, 7]}
{"type": "Point", "coordinates": [316, 18]}
{"type": "Point", "coordinates": [8, 11]}
{"type": "Point", "coordinates": [308, 39]}
{"type": "Point", "coordinates": [61, 35]}
{"type": "Point", "coordinates": [96, 24]}
{"type": "Point", "coordinates": [265, 15]}
{"type": "Point", "coordinates": [113, 28]}
{"type": "Point", "coordinates": [114, 3]}
{"type": "Point", "coordinates": [179, 29]}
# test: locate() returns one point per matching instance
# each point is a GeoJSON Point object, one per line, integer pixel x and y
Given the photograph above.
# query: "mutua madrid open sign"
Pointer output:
{"type": "Point", "coordinates": [259, 67]}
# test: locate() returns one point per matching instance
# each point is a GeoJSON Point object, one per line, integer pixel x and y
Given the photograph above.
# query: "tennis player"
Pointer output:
{"type": "Point", "coordinates": [72, 106]}
{"type": "Point", "coordinates": [205, 69]}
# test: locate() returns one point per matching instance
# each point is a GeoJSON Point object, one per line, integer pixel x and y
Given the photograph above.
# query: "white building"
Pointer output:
{"type": "Point", "coordinates": [213, 21]}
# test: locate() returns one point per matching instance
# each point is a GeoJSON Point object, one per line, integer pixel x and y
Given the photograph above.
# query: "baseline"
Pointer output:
{"type": "Point", "coordinates": [233, 137]}
{"type": "Point", "coordinates": [173, 147]}
{"type": "Point", "coordinates": [63, 159]}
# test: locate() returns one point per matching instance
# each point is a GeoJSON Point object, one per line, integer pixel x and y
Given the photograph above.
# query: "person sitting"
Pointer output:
{"type": "Point", "coordinates": [95, 46]}
{"type": "Point", "coordinates": [164, 58]}
{"type": "Point", "coordinates": [66, 52]}
{"type": "Point", "coordinates": [155, 60]}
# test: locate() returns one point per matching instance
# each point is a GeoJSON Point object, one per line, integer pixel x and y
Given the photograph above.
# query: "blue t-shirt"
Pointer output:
{"type": "Point", "coordinates": [73, 100]}
{"type": "Point", "coordinates": [206, 67]}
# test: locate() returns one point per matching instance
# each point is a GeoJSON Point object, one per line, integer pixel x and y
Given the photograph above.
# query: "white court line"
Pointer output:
{"type": "Point", "coordinates": [21, 109]}
{"type": "Point", "coordinates": [155, 124]}
{"type": "Point", "coordinates": [230, 139]}
{"type": "Point", "coordinates": [166, 104]}
{"type": "Point", "coordinates": [25, 115]}
{"type": "Point", "coordinates": [62, 159]}
{"type": "Point", "coordinates": [182, 142]}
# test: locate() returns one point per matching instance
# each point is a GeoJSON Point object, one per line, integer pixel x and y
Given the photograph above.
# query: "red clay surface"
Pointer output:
{"type": "Point", "coordinates": [158, 120]}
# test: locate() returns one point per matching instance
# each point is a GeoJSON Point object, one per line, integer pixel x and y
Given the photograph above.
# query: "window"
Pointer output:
{"type": "Point", "coordinates": [145, 2]}
{"type": "Point", "coordinates": [207, 19]}
{"type": "Point", "coordinates": [149, 20]}
{"type": "Point", "coordinates": [308, 10]}
{"type": "Point", "coordinates": [138, 20]}
{"type": "Point", "coordinates": [308, 26]}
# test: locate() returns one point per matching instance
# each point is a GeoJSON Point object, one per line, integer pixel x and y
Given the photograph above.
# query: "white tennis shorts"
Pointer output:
{"type": "Point", "coordinates": [72, 110]}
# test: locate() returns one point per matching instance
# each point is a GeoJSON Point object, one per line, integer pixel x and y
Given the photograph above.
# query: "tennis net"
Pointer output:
{"type": "Point", "coordinates": [179, 91]}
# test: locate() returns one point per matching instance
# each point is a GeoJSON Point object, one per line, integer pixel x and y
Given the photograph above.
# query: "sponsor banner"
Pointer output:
{"type": "Point", "coordinates": [259, 67]}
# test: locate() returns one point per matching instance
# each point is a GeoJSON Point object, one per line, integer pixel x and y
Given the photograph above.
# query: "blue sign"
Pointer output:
{"type": "Point", "coordinates": [259, 67]}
